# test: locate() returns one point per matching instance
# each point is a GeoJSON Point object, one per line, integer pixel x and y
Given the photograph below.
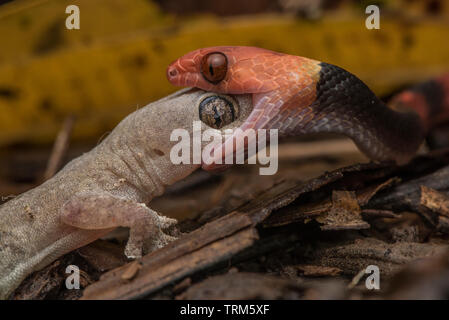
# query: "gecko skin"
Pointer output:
{"type": "Point", "coordinates": [103, 189]}
{"type": "Point", "coordinates": [297, 95]}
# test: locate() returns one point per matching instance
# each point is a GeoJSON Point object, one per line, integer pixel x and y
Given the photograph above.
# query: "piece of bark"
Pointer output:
{"type": "Point", "coordinates": [153, 276]}
{"type": "Point", "coordinates": [345, 213]}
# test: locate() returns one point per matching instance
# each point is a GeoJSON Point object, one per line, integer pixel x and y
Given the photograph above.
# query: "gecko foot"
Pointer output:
{"type": "Point", "coordinates": [102, 211]}
{"type": "Point", "coordinates": [146, 235]}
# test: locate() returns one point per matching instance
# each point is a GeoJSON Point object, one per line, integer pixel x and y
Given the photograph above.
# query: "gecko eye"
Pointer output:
{"type": "Point", "coordinates": [217, 111]}
{"type": "Point", "coordinates": [214, 67]}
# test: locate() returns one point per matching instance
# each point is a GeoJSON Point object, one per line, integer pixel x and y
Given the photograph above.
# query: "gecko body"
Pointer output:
{"type": "Point", "coordinates": [103, 189]}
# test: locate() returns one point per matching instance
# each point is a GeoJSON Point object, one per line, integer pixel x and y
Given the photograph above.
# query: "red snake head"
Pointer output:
{"type": "Point", "coordinates": [281, 84]}
{"type": "Point", "coordinates": [231, 70]}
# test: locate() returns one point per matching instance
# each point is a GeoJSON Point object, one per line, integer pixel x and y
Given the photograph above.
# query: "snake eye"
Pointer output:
{"type": "Point", "coordinates": [217, 111]}
{"type": "Point", "coordinates": [214, 66]}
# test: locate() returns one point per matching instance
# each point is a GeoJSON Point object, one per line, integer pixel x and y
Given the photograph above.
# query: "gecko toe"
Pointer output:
{"type": "Point", "coordinates": [166, 222]}
{"type": "Point", "coordinates": [132, 251]}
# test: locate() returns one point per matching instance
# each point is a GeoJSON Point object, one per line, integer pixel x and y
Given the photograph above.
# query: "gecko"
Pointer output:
{"type": "Point", "coordinates": [110, 186]}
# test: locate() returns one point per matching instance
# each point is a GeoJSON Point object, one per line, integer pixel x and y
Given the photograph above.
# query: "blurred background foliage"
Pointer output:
{"type": "Point", "coordinates": [116, 62]}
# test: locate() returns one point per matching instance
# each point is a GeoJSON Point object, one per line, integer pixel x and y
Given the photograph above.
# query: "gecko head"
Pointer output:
{"type": "Point", "coordinates": [223, 69]}
{"type": "Point", "coordinates": [221, 115]}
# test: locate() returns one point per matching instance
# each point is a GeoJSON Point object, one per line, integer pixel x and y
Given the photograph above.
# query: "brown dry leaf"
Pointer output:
{"type": "Point", "coordinates": [345, 213]}
{"type": "Point", "coordinates": [365, 195]}
{"type": "Point", "coordinates": [435, 200]}
{"type": "Point", "coordinates": [290, 214]}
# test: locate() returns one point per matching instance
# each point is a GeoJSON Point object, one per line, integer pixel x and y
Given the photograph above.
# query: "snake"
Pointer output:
{"type": "Point", "coordinates": [298, 95]}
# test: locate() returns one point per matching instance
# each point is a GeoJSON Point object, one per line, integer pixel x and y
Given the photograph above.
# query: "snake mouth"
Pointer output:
{"type": "Point", "coordinates": [245, 141]}
{"type": "Point", "coordinates": [182, 75]}
{"type": "Point", "coordinates": [234, 150]}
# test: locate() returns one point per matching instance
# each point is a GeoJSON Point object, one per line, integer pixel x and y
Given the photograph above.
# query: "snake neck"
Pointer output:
{"type": "Point", "coordinates": [345, 105]}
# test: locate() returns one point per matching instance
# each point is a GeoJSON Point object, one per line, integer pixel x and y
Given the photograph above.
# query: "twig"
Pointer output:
{"type": "Point", "coordinates": [355, 281]}
{"type": "Point", "coordinates": [59, 148]}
